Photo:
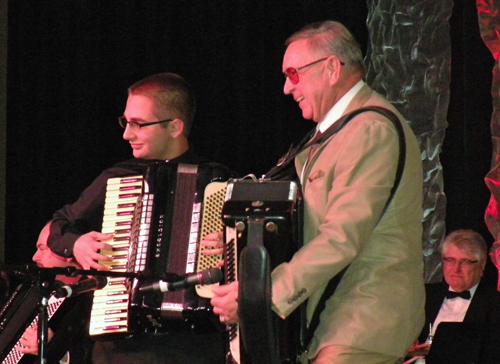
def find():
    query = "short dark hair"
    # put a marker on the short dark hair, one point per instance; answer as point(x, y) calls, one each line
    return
point(467, 240)
point(333, 38)
point(172, 96)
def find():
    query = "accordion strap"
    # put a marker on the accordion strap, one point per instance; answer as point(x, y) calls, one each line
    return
point(281, 168)
point(254, 296)
point(334, 282)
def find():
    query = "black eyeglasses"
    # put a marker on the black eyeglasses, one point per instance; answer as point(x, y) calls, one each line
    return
point(462, 262)
point(122, 121)
point(293, 73)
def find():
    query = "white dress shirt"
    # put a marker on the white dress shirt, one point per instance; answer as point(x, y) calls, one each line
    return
point(339, 108)
point(453, 310)
point(335, 113)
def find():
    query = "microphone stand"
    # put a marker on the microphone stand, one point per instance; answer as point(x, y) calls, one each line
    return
point(45, 278)
point(33, 270)
point(45, 283)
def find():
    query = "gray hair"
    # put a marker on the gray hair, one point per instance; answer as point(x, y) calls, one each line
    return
point(467, 240)
point(334, 38)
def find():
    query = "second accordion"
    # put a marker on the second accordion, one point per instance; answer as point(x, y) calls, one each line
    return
point(157, 220)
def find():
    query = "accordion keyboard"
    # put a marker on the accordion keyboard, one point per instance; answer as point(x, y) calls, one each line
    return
point(110, 305)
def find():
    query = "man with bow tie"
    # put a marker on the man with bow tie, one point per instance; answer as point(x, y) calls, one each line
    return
point(463, 298)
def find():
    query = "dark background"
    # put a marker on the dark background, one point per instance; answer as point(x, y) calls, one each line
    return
point(70, 63)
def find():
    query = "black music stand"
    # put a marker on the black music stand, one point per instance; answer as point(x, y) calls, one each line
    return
point(465, 343)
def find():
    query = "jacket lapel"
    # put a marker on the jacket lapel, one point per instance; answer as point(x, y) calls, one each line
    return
point(479, 305)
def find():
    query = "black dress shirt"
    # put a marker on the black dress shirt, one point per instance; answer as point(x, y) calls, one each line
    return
point(179, 345)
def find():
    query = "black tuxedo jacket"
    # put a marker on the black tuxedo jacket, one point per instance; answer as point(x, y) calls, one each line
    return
point(484, 307)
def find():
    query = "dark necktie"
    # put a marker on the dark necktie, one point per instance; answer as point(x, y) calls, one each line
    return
point(465, 295)
point(314, 144)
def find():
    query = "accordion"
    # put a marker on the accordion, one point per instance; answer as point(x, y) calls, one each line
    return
point(22, 309)
point(157, 220)
point(19, 311)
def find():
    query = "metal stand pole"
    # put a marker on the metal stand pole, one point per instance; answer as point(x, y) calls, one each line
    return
point(45, 284)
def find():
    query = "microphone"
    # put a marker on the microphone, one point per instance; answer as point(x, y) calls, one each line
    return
point(87, 285)
point(207, 276)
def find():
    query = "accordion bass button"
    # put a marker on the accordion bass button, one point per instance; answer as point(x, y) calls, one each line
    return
point(240, 226)
point(271, 227)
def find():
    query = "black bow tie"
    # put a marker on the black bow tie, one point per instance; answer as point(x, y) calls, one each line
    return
point(465, 295)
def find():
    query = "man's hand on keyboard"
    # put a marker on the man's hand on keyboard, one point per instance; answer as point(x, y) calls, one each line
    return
point(88, 247)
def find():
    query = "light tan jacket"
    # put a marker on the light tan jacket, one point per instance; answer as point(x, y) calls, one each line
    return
point(379, 304)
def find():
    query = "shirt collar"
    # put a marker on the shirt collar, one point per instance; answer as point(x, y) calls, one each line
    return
point(472, 290)
point(339, 108)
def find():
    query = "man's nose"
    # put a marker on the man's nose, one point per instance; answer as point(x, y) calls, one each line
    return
point(128, 134)
point(288, 86)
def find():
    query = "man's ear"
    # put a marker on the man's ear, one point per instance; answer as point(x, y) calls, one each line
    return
point(176, 128)
point(334, 66)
